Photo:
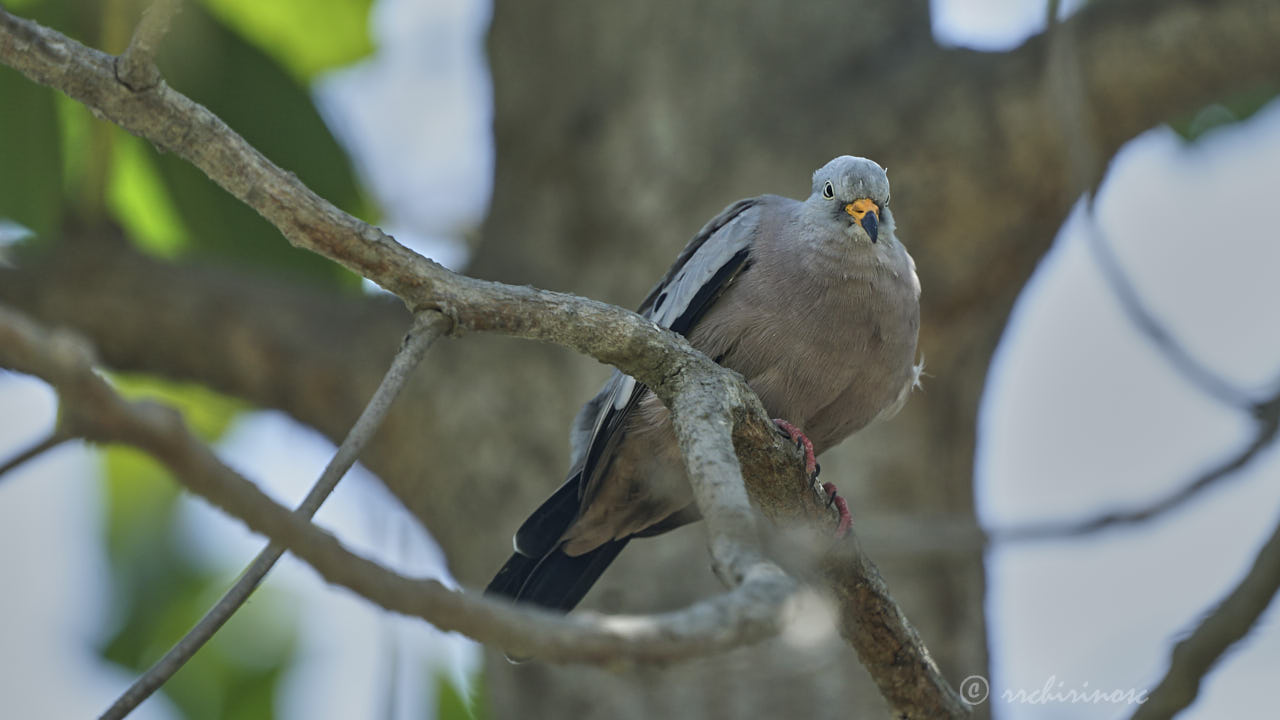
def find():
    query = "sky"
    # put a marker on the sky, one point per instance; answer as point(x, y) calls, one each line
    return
point(1080, 414)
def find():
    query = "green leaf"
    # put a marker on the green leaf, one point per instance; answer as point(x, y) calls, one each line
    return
point(139, 495)
point(73, 127)
point(206, 412)
point(453, 704)
point(259, 100)
point(307, 37)
point(141, 203)
point(30, 154)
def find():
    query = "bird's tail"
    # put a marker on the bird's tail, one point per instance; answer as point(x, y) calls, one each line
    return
point(556, 581)
point(540, 572)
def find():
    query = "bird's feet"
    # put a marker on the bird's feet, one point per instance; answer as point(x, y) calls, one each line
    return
point(810, 462)
point(846, 520)
point(812, 468)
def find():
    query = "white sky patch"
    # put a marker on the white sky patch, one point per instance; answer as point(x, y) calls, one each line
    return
point(992, 25)
point(55, 572)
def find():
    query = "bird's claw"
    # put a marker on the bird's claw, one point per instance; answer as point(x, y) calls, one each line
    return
point(833, 498)
point(812, 468)
point(802, 442)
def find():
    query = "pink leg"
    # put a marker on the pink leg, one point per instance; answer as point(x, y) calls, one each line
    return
point(846, 520)
point(799, 438)
point(811, 468)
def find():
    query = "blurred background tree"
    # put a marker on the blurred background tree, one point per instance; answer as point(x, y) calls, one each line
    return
point(617, 129)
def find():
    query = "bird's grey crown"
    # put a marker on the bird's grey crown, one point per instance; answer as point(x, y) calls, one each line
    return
point(853, 178)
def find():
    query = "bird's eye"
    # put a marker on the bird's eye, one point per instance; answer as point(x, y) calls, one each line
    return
point(828, 192)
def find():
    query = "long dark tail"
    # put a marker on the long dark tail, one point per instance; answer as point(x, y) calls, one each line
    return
point(555, 581)
point(539, 572)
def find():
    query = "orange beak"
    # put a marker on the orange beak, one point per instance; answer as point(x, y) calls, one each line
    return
point(867, 213)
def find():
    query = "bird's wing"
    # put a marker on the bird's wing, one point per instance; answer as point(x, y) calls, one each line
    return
point(716, 255)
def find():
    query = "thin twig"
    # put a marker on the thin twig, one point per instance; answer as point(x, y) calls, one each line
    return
point(136, 66)
point(1267, 429)
point(51, 441)
point(426, 328)
point(1195, 372)
point(1231, 620)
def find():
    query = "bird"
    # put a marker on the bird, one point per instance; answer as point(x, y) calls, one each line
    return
point(815, 303)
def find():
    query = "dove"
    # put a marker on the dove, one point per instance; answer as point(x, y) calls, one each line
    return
point(815, 303)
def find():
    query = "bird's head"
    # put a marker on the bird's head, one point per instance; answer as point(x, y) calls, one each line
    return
point(853, 192)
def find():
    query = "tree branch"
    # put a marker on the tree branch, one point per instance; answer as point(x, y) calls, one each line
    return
point(1267, 429)
point(1230, 621)
point(51, 441)
point(1195, 372)
point(426, 328)
point(204, 322)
